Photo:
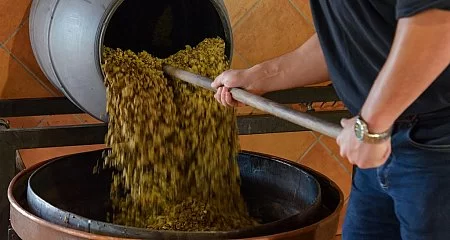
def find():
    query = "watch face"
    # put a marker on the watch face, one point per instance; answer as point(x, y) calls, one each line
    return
point(359, 130)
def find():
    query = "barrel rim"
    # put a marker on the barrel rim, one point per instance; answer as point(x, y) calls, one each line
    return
point(112, 8)
point(38, 200)
point(110, 11)
point(104, 23)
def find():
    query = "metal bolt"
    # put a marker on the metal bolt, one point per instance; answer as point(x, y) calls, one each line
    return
point(4, 124)
point(310, 107)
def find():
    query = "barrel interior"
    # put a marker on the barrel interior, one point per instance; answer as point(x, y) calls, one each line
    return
point(164, 27)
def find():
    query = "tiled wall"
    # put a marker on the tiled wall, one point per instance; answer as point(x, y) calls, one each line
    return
point(263, 29)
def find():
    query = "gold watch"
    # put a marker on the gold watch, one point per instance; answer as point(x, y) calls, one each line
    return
point(362, 132)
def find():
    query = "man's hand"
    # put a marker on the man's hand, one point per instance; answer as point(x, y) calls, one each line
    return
point(364, 155)
point(232, 79)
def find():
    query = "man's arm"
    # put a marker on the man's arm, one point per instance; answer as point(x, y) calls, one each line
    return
point(303, 66)
point(419, 54)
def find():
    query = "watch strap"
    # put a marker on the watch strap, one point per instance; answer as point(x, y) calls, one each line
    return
point(377, 137)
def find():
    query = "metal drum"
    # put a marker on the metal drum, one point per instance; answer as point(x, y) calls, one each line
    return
point(268, 183)
point(67, 38)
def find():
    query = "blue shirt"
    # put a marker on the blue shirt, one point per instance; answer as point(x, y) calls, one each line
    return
point(356, 37)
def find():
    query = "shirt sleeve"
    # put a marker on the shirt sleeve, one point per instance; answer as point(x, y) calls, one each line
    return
point(407, 8)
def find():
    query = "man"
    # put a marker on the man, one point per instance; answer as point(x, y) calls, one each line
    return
point(389, 63)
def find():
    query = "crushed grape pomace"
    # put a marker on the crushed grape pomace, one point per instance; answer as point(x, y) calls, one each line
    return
point(173, 147)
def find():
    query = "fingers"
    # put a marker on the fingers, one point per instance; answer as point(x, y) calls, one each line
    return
point(223, 96)
point(341, 149)
point(342, 141)
point(339, 143)
point(218, 82)
point(345, 122)
point(229, 99)
point(226, 79)
point(218, 94)
point(222, 83)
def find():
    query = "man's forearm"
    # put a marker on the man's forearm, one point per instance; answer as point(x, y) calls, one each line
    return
point(303, 66)
point(420, 52)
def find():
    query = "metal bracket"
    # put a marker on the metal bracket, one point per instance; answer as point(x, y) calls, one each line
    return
point(310, 107)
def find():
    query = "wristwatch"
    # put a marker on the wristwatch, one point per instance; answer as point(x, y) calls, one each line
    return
point(362, 132)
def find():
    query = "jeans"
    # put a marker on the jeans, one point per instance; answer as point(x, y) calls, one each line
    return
point(409, 196)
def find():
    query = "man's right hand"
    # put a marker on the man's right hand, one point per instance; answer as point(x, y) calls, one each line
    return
point(234, 79)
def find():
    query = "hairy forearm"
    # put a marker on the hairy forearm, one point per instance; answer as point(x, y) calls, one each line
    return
point(303, 66)
point(420, 52)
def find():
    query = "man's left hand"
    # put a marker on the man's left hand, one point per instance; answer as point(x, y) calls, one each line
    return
point(364, 155)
